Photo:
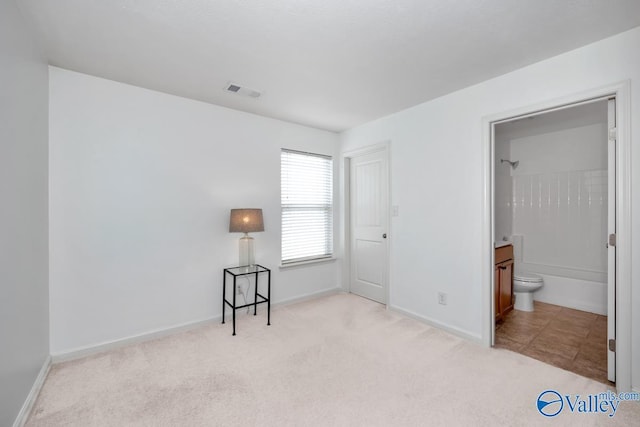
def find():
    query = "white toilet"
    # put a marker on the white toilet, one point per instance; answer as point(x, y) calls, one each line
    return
point(524, 285)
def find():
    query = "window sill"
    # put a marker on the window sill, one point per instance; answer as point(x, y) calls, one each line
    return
point(306, 263)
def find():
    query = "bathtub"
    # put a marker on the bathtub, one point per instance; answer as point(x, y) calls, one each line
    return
point(579, 294)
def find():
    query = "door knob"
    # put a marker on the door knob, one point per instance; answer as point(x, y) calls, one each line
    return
point(384, 236)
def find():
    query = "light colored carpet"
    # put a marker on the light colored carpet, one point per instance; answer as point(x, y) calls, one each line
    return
point(334, 361)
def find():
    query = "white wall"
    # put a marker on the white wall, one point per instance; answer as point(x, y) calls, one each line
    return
point(437, 178)
point(560, 199)
point(141, 186)
point(24, 300)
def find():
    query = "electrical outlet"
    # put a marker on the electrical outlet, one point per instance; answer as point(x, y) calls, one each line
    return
point(442, 298)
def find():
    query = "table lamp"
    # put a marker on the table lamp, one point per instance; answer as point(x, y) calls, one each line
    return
point(246, 221)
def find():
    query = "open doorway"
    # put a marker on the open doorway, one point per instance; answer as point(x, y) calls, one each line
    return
point(554, 192)
point(619, 324)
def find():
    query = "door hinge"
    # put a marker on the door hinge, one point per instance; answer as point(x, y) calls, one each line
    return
point(612, 240)
point(613, 134)
point(612, 345)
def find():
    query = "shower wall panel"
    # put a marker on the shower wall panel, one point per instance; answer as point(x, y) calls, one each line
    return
point(559, 201)
point(563, 218)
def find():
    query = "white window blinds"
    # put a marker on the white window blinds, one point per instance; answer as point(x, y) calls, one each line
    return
point(307, 206)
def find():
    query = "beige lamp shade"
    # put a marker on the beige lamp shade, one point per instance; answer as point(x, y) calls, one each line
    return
point(246, 221)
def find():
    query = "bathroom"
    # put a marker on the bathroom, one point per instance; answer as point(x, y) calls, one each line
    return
point(551, 212)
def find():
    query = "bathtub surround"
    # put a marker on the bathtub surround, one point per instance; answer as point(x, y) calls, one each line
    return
point(560, 200)
point(503, 189)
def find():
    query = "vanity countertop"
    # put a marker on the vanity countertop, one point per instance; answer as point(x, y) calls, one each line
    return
point(502, 243)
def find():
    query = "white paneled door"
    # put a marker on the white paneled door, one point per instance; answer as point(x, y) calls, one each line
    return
point(611, 244)
point(369, 210)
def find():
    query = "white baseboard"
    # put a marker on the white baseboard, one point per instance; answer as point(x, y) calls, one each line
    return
point(27, 406)
point(308, 297)
point(448, 328)
point(80, 352)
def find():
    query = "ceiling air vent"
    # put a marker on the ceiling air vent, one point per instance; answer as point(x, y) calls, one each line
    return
point(244, 91)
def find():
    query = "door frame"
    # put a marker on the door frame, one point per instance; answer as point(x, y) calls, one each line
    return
point(622, 92)
point(345, 218)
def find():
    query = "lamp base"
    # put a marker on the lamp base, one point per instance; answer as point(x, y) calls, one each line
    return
point(246, 257)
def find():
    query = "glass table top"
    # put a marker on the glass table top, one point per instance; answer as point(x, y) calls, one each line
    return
point(246, 269)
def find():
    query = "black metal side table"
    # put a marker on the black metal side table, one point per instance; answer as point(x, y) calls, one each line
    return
point(246, 270)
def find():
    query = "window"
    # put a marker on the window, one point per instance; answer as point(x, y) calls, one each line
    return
point(307, 206)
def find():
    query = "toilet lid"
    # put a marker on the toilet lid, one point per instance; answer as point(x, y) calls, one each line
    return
point(527, 277)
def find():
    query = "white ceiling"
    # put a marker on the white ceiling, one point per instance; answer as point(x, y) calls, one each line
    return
point(330, 64)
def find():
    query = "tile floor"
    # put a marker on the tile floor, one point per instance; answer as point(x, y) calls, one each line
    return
point(569, 339)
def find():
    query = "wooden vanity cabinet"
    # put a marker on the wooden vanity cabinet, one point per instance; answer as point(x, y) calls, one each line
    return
point(503, 279)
